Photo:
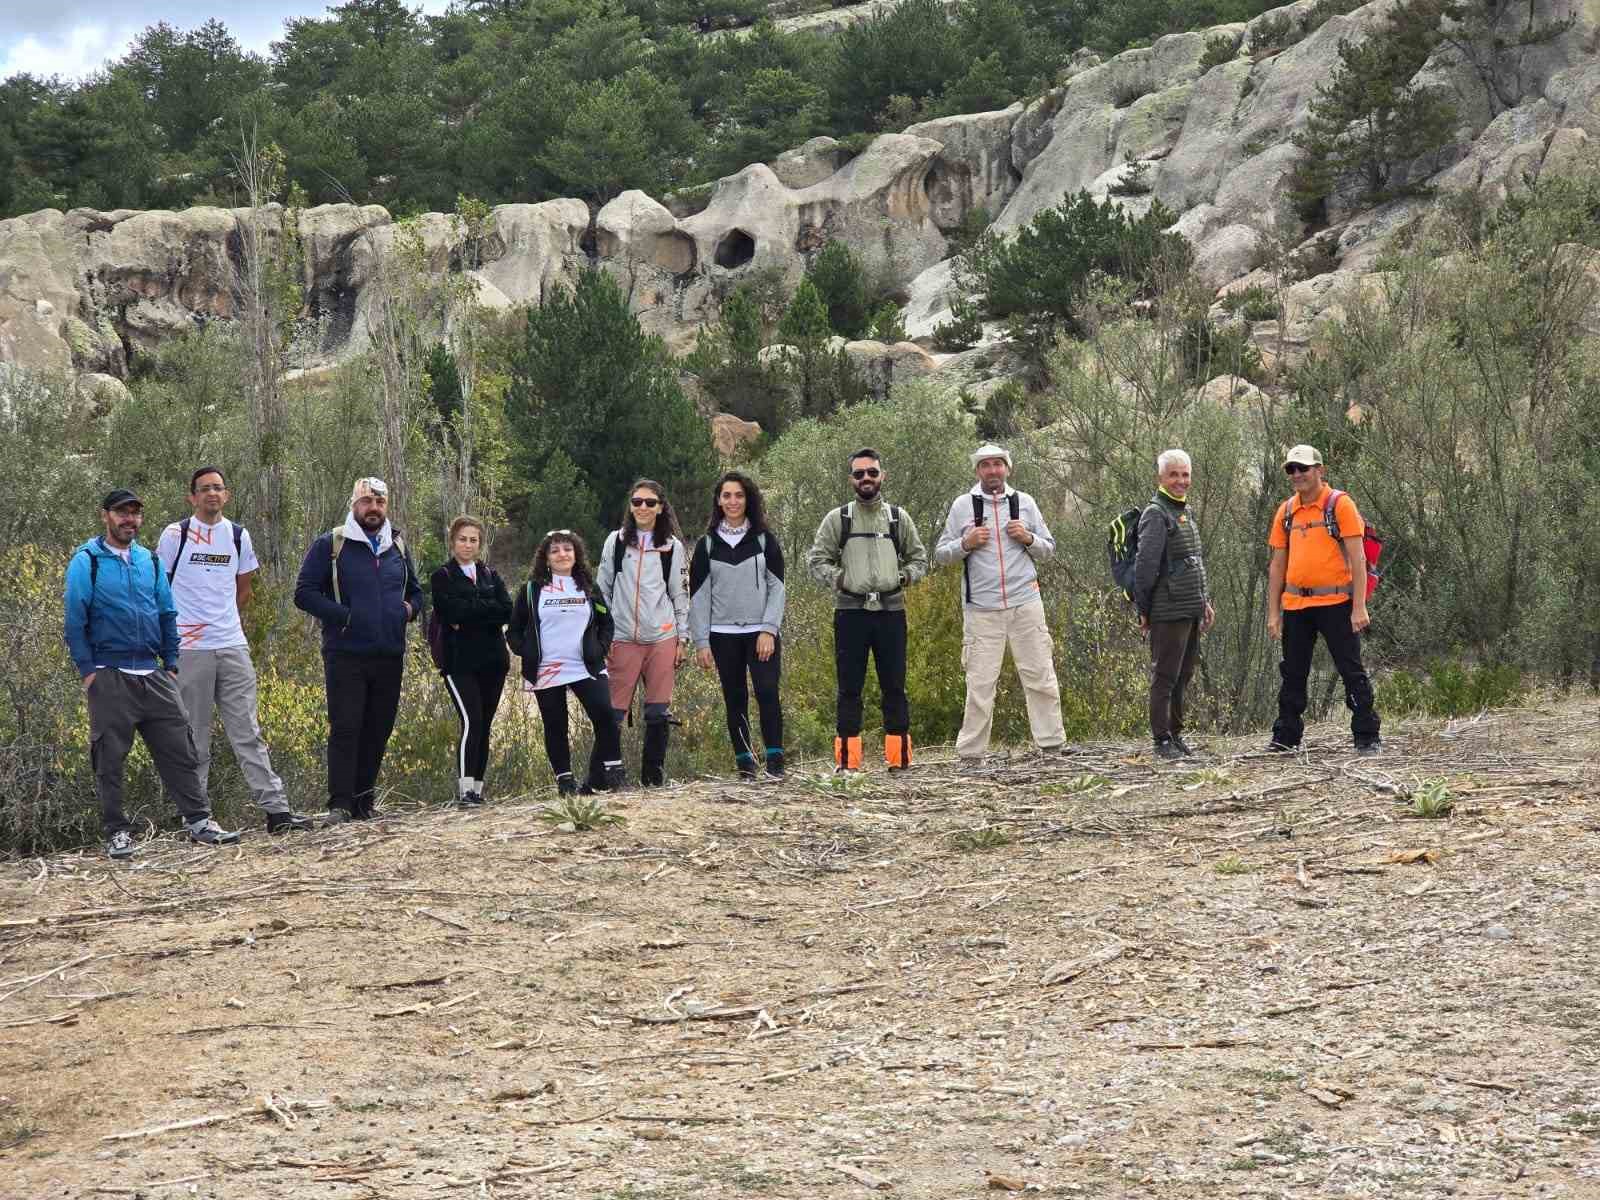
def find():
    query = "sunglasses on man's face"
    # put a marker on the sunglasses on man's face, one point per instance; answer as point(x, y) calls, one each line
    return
point(1295, 468)
point(866, 473)
point(644, 501)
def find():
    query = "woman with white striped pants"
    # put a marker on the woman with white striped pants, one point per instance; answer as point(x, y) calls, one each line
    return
point(472, 606)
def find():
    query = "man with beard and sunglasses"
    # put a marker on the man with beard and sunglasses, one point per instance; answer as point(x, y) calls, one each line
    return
point(868, 552)
point(358, 581)
point(1317, 584)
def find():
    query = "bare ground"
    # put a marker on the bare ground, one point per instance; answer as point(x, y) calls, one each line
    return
point(1212, 979)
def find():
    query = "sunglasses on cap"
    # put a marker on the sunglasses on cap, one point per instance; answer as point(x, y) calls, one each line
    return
point(374, 485)
point(644, 501)
point(866, 473)
point(550, 533)
point(1295, 468)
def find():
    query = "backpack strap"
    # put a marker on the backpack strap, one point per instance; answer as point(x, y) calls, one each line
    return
point(1014, 502)
point(979, 517)
point(1329, 521)
point(183, 541)
point(619, 551)
point(238, 545)
point(337, 547)
point(846, 519)
point(666, 563)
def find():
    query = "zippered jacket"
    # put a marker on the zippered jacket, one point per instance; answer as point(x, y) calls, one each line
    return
point(645, 607)
point(1169, 575)
point(369, 618)
point(522, 635)
point(474, 615)
point(868, 562)
point(1002, 573)
point(129, 619)
point(738, 585)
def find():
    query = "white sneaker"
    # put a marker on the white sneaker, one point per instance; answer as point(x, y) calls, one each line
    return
point(212, 834)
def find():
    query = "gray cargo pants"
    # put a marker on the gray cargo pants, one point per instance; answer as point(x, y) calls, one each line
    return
point(121, 705)
point(225, 680)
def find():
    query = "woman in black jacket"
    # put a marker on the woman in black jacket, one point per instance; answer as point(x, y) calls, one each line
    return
point(562, 629)
point(473, 606)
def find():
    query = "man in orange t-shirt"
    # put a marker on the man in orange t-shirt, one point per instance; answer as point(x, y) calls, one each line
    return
point(1317, 584)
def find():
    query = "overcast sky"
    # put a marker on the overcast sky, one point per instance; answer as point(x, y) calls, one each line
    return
point(74, 37)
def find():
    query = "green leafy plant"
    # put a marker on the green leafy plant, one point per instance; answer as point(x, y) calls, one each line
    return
point(984, 837)
point(1223, 48)
point(1432, 800)
point(578, 814)
point(1232, 865)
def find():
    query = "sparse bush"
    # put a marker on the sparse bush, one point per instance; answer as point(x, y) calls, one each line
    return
point(963, 329)
point(984, 837)
point(1221, 48)
point(1271, 33)
point(578, 814)
point(1135, 180)
point(1432, 800)
point(886, 324)
point(1254, 303)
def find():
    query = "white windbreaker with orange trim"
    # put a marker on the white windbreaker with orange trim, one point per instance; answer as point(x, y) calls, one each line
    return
point(1001, 573)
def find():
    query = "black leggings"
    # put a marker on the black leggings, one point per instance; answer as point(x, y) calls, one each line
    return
point(735, 656)
point(476, 695)
point(595, 696)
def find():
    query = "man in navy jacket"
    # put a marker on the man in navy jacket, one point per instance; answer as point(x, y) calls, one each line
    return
point(358, 581)
point(121, 628)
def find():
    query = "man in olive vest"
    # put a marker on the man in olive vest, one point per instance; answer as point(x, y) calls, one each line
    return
point(1173, 600)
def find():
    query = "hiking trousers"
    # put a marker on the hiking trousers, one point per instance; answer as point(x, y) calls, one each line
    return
point(1174, 650)
point(985, 633)
point(594, 695)
point(212, 681)
point(735, 656)
point(121, 705)
point(1300, 629)
point(476, 696)
point(363, 700)
point(857, 633)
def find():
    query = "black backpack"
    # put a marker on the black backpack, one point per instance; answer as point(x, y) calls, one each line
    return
point(981, 517)
point(183, 541)
point(1122, 549)
point(620, 551)
point(846, 519)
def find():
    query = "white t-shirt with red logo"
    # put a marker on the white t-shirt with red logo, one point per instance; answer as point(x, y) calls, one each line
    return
point(203, 588)
point(563, 616)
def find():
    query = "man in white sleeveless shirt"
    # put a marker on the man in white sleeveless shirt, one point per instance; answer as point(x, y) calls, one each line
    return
point(210, 564)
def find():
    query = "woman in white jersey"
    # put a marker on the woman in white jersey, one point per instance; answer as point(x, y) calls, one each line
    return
point(562, 629)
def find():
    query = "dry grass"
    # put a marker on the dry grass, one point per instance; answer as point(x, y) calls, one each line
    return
point(753, 991)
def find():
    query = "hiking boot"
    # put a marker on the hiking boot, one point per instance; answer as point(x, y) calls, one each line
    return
point(1277, 747)
point(774, 772)
point(121, 844)
point(746, 764)
point(282, 822)
point(1167, 750)
point(337, 816)
point(1177, 740)
point(1369, 749)
point(616, 778)
point(566, 785)
point(209, 833)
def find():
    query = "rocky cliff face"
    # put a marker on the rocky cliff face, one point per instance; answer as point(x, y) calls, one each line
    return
point(88, 291)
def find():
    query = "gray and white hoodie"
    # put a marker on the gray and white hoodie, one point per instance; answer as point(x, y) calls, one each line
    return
point(647, 604)
point(735, 587)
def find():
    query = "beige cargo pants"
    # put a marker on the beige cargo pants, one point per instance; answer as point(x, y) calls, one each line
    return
point(985, 635)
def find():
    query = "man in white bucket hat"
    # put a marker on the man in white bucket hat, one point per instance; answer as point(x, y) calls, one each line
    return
point(998, 535)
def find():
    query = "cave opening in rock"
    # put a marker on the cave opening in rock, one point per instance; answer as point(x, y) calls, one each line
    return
point(735, 249)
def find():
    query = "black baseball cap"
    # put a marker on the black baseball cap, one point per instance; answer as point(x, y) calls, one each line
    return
point(117, 497)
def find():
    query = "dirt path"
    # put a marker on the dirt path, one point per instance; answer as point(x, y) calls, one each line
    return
point(1084, 976)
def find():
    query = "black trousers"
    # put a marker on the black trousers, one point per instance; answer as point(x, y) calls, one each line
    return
point(735, 656)
point(595, 697)
point(363, 698)
point(1174, 647)
point(856, 633)
point(1300, 629)
point(476, 695)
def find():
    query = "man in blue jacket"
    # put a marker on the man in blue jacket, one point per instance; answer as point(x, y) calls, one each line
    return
point(122, 632)
point(358, 581)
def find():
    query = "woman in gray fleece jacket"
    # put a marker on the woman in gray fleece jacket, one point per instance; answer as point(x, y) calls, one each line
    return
point(736, 600)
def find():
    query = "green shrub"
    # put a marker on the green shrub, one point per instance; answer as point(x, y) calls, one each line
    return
point(1221, 48)
point(1254, 303)
point(886, 324)
point(836, 274)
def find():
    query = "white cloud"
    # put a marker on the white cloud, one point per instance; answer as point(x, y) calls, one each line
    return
point(72, 55)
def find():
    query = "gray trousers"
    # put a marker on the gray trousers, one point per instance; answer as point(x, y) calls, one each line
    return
point(121, 705)
point(225, 681)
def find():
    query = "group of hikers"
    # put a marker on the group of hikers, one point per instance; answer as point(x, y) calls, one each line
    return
point(160, 646)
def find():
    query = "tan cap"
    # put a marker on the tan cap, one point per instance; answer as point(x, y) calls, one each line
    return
point(1306, 456)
